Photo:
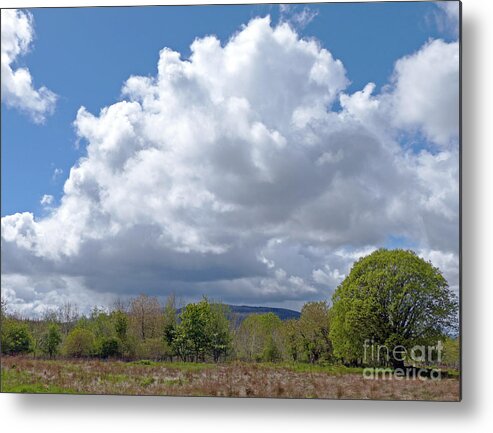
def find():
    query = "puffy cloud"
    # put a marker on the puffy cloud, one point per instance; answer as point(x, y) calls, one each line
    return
point(229, 174)
point(422, 98)
point(17, 86)
point(426, 93)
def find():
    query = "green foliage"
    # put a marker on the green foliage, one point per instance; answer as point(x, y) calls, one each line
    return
point(109, 347)
point(313, 328)
point(218, 331)
point(109, 330)
point(120, 321)
point(271, 352)
point(291, 340)
point(16, 337)
point(203, 330)
point(101, 324)
point(51, 340)
point(80, 342)
point(169, 319)
point(391, 297)
point(260, 338)
point(156, 349)
point(451, 352)
point(191, 340)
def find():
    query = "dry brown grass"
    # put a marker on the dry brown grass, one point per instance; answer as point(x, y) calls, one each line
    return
point(228, 380)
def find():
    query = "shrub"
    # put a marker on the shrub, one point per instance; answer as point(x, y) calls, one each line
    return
point(109, 347)
point(79, 343)
point(156, 349)
point(16, 338)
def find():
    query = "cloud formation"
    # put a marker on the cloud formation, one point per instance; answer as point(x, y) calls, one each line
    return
point(426, 93)
point(298, 17)
point(230, 174)
point(449, 18)
point(46, 200)
point(17, 87)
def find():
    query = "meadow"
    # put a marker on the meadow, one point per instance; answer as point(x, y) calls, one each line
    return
point(235, 379)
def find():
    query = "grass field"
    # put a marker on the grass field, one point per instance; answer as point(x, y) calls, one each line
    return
point(26, 375)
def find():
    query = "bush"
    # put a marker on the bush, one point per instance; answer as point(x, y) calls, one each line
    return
point(16, 338)
point(110, 347)
point(156, 349)
point(79, 343)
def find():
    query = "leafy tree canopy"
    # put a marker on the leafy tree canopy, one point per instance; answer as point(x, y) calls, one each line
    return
point(391, 297)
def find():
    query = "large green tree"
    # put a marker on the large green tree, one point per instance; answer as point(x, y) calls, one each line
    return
point(391, 298)
point(203, 331)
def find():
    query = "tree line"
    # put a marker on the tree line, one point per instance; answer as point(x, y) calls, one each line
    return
point(145, 329)
point(391, 297)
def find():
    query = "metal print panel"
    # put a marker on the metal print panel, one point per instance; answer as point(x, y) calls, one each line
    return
point(253, 200)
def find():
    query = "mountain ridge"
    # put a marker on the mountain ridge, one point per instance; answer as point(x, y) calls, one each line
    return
point(241, 312)
point(246, 310)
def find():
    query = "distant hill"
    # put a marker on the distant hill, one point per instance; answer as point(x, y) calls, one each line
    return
point(241, 312)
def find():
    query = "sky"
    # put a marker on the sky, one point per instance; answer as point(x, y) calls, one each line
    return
point(248, 153)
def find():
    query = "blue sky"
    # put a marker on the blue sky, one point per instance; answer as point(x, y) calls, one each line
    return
point(253, 160)
point(85, 54)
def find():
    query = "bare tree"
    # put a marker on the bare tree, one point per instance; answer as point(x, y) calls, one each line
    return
point(120, 305)
point(146, 317)
point(68, 314)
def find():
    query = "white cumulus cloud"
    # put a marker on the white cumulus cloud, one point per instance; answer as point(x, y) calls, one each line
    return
point(17, 86)
point(426, 91)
